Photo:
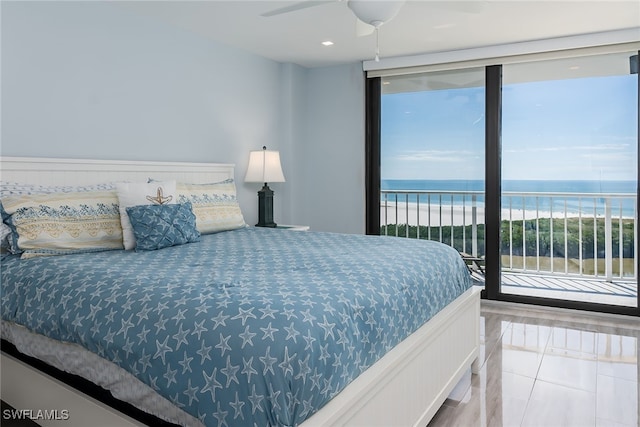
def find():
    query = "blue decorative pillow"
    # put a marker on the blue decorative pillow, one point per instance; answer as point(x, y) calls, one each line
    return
point(160, 226)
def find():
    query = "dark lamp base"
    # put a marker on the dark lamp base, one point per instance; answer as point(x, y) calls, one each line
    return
point(272, 225)
point(265, 207)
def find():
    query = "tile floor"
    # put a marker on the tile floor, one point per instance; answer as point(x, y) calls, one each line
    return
point(546, 367)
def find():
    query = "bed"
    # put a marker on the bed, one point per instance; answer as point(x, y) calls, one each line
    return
point(239, 325)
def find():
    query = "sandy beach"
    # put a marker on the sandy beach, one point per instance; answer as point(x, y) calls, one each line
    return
point(436, 215)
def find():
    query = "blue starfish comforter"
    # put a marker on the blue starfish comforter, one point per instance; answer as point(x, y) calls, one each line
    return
point(246, 327)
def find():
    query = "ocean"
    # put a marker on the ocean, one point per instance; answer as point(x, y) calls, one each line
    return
point(600, 189)
point(603, 187)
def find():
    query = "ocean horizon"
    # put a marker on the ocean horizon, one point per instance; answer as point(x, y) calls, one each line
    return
point(542, 186)
point(601, 189)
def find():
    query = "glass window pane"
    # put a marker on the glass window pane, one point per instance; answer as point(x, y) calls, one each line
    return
point(569, 168)
point(432, 158)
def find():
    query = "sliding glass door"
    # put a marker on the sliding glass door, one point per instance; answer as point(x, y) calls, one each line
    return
point(569, 179)
point(529, 169)
point(432, 159)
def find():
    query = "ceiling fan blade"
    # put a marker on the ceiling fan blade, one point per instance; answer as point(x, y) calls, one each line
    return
point(363, 29)
point(297, 6)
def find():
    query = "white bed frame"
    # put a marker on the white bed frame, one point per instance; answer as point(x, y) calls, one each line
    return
point(404, 388)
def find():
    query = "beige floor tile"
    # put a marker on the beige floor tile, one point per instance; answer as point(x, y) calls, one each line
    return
point(532, 337)
point(618, 356)
point(608, 423)
point(573, 342)
point(548, 370)
point(556, 405)
point(517, 361)
point(617, 400)
point(506, 396)
point(571, 371)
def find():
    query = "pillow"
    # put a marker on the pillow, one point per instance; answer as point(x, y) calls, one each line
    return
point(5, 234)
point(64, 223)
point(215, 205)
point(136, 194)
point(10, 188)
point(6, 240)
point(161, 226)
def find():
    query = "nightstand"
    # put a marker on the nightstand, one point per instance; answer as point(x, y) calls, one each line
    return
point(293, 227)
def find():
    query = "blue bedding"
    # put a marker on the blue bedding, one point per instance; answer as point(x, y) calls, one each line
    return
point(246, 327)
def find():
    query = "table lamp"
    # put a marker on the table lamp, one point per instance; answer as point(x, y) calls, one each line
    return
point(264, 166)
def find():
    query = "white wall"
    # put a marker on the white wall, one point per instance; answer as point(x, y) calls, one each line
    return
point(90, 80)
point(331, 154)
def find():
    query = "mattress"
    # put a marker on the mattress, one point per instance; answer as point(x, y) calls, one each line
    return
point(250, 326)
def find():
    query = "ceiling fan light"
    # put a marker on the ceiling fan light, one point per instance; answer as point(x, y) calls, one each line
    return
point(375, 12)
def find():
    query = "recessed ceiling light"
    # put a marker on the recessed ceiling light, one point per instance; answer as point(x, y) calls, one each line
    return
point(575, 67)
point(327, 43)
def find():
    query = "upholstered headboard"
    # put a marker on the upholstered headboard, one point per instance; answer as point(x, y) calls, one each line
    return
point(51, 171)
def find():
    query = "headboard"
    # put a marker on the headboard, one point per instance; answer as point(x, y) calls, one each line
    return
point(51, 171)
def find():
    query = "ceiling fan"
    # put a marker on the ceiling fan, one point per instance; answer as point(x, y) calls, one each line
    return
point(365, 10)
point(373, 14)
point(368, 10)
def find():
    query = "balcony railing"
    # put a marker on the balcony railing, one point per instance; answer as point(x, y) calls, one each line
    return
point(583, 234)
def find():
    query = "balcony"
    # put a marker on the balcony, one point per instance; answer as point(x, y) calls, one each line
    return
point(576, 246)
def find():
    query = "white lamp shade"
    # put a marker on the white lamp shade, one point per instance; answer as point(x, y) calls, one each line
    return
point(264, 166)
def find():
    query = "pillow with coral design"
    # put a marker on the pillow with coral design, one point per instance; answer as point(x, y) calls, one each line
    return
point(137, 194)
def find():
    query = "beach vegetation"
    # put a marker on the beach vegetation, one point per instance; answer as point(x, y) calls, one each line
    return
point(573, 238)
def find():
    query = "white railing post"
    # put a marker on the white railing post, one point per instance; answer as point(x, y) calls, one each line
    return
point(635, 239)
point(474, 226)
point(608, 241)
point(602, 210)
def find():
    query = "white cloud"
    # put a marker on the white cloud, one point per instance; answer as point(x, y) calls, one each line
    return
point(437, 155)
point(595, 147)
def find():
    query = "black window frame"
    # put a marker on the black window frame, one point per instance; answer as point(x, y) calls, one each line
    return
point(493, 128)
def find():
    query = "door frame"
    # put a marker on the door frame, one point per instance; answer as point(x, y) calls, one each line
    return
point(493, 179)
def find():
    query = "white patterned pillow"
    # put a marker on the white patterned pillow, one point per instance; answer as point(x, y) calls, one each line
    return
point(215, 205)
point(11, 188)
point(141, 193)
point(64, 223)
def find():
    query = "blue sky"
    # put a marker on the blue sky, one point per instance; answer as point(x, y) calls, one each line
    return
point(562, 130)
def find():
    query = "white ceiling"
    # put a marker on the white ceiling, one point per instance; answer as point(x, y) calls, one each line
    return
point(423, 26)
